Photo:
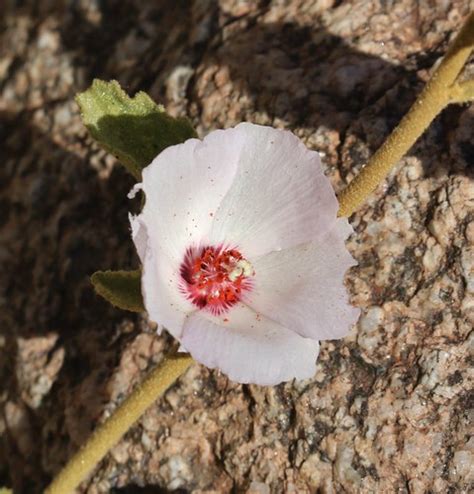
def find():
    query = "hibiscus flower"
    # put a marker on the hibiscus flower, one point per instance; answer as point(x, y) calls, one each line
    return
point(243, 256)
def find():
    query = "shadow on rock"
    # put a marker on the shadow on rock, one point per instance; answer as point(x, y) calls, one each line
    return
point(306, 76)
point(58, 341)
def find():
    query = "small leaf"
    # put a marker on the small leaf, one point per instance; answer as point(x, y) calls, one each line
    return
point(135, 130)
point(120, 288)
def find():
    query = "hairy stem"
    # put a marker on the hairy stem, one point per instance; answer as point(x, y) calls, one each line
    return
point(462, 92)
point(110, 432)
point(436, 95)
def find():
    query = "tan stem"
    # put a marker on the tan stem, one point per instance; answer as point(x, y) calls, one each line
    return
point(110, 432)
point(462, 92)
point(433, 99)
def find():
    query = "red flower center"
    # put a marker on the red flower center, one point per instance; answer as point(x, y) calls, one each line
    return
point(214, 279)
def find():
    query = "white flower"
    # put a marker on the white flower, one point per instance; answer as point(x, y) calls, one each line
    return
point(243, 256)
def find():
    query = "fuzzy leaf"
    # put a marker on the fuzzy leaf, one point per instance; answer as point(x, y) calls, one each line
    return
point(121, 288)
point(135, 130)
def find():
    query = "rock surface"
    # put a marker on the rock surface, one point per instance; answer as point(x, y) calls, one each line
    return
point(390, 408)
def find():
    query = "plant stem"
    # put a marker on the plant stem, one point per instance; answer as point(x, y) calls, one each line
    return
point(463, 92)
point(110, 432)
point(433, 99)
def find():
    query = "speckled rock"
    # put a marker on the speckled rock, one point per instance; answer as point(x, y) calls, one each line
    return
point(390, 407)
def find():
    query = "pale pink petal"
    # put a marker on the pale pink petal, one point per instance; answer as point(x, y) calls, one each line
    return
point(302, 288)
point(139, 236)
point(249, 348)
point(184, 186)
point(163, 301)
point(279, 198)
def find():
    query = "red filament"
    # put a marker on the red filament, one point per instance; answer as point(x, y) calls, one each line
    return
point(215, 278)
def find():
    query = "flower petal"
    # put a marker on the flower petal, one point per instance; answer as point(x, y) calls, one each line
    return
point(249, 348)
point(163, 301)
point(279, 197)
point(139, 236)
point(302, 288)
point(184, 186)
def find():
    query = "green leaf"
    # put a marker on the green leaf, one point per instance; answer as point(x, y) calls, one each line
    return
point(120, 288)
point(135, 130)
point(4, 490)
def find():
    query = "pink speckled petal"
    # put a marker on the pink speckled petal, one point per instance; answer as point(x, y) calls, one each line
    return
point(162, 299)
point(279, 198)
point(184, 186)
point(249, 349)
point(302, 288)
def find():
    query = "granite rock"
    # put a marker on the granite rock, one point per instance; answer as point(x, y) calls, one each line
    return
point(390, 407)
